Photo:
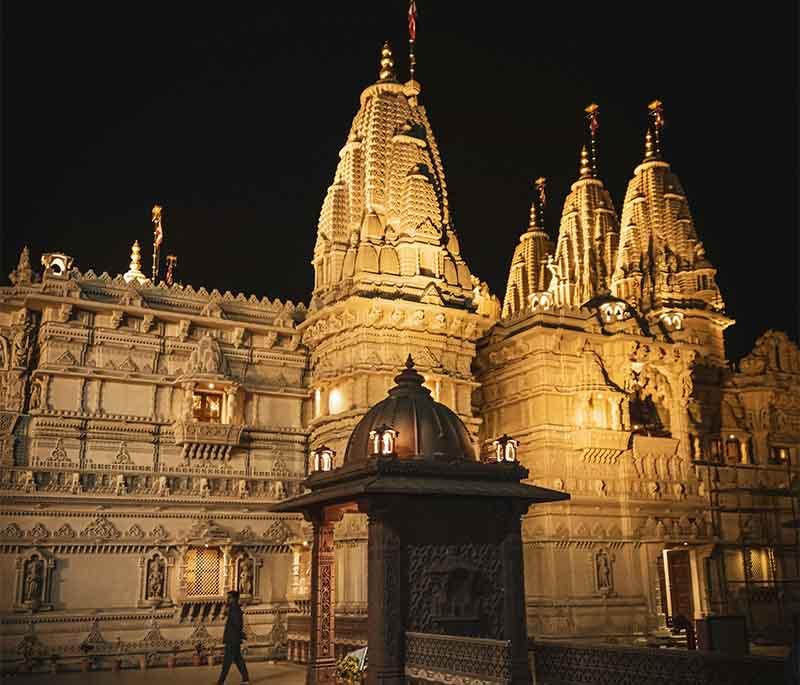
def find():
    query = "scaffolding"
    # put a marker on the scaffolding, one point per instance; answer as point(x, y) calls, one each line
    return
point(752, 507)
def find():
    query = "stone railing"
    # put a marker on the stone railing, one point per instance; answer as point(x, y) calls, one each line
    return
point(434, 658)
point(562, 663)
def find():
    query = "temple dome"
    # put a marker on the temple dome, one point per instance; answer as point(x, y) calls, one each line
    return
point(424, 428)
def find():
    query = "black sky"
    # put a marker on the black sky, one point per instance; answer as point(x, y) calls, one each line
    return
point(231, 115)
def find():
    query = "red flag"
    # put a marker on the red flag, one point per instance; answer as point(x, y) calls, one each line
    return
point(412, 21)
point(158, 231)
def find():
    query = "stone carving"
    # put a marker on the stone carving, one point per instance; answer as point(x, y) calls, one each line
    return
point(122, 456)
point(451, 589)
point(39, 532)
point(135, 531)
point(120, 487)
point(206, 357)
point(604, 577)
point(246, 576)
point(241, 489)
point(36, 395)
point(277, 533)
point(101, 528)
point(34, 580)
point(65, 532)
point(59, 454)
point(155, 579)
point(159, 533)
point(75, 486)
point(23, 274)
point(162, 486)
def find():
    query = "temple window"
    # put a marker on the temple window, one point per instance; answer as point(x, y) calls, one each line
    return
point(733, 451)
point(202, 571)
point(207, 406)
point(322, 459)
point(780, 455)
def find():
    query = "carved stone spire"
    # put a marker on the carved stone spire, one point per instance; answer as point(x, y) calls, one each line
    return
point(385, 221)
point(134, 272)
point(529, 274)
point(387, 64)
point(661, 261)
point(587, 240)
point(23, 273)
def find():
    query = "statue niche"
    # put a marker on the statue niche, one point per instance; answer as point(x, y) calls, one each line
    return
point(207, 357)
point(457, 588)
point(34, 581)
point(154, 575)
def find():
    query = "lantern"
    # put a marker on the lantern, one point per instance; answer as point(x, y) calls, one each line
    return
point(383, 440)
point(505, 448)
point(323, 458)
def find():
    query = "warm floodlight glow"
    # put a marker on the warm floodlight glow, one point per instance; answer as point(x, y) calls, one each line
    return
point(335, 401)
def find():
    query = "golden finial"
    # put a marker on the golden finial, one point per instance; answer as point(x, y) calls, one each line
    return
point(649, 147)
point(592, 116)
point(387, 63)
point(537, 206)
point(586, 164)
point(134, 272)
point(136, 257)
point(656, 111)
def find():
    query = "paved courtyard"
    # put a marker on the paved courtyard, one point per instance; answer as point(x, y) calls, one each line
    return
point(260, 672)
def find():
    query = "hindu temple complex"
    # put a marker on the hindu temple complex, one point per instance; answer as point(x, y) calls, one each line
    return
point(157, 438)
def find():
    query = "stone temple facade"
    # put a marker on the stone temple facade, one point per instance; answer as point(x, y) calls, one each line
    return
point(146, 429)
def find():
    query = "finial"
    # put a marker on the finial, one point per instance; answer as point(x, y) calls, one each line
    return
point(23, 273)
point(586, 164)
point(656, 110)
point(387, 63)
point(649, 148)
point(538, 205)
point(134, 272)
point(592, 115)
point(410, 362)
point(136, 257)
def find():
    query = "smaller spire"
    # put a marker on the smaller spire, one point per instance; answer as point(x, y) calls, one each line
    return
point(387, 64)
point(23, 273)
point(134, 272)
point(586, 164)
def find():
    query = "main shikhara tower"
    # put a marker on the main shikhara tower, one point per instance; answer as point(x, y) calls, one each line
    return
point(146, 427)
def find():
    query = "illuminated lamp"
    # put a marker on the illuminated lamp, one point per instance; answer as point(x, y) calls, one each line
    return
point(383, 440)
point(323, 458)
point(505, 448)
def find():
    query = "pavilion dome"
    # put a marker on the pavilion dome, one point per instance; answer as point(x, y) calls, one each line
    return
point(424, 428)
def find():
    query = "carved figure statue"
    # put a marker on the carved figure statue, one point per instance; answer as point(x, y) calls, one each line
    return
point(604, 581)
point(75, 486)
point(119, 485)
point(162, 489)
point(206, 357)
point(155, 579)
point(34, 580)
point(36, 395)
point(245, 577)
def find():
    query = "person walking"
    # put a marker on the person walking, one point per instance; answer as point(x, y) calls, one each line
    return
point(232, 639)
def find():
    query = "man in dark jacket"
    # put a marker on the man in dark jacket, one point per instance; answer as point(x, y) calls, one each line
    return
point(232, 639)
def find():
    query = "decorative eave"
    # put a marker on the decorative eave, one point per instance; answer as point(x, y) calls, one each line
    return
point(383, 476)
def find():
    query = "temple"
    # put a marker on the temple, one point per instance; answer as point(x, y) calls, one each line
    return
point(148, 430)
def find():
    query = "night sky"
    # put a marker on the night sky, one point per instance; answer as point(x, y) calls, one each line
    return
point(231, 116)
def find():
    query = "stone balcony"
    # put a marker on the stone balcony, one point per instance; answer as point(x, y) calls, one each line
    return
point(207, 440)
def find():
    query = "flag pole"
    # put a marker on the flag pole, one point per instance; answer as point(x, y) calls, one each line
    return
point(412, 38)
point(158, 236)
point(592, 112)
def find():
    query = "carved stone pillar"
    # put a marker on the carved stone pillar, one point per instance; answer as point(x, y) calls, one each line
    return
point(514, 626)
point(322, 662)
point(386, 599)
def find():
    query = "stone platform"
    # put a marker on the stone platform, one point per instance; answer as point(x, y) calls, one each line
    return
point(260, 672)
